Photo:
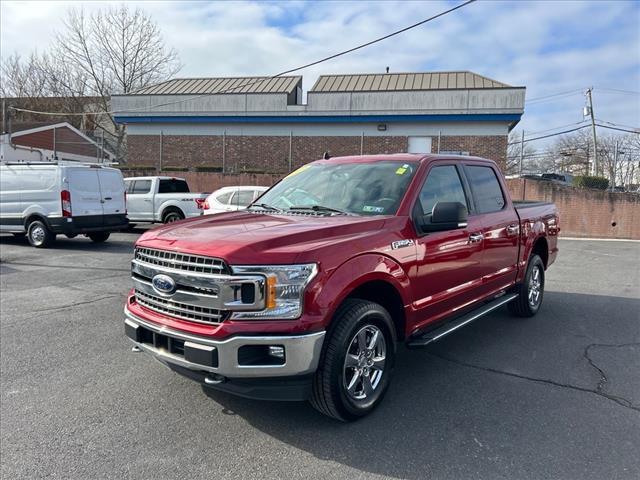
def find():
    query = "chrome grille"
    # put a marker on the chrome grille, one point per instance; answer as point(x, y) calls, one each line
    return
point(180, 310)
point(181, 261)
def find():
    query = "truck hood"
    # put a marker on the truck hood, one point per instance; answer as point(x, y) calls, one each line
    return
point(252, 238)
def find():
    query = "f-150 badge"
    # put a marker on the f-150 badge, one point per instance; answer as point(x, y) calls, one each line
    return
point(401, 243)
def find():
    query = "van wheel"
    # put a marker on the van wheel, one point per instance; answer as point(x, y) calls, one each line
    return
point(39, 235)
point(356, 362)
point(172, 216)
point(98, 237)
point(530, 291)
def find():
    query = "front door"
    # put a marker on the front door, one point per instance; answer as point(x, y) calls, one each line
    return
point(448, 274)
point(140, 200)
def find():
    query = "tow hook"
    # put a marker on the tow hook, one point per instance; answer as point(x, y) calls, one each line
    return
point(214, 379)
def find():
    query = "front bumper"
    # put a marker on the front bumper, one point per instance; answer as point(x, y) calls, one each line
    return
point(226, 359)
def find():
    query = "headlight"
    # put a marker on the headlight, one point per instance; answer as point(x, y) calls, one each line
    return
point(284, 289)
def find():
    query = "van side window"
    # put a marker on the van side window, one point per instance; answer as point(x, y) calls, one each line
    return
point(486, 189)
point(141, 187)
point(442, 185)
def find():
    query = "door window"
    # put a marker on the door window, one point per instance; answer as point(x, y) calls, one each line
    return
point(242, 198)
point(224, 198)
point(141, 187)
point(486, 189)
point(442, 185)
point(173, 185)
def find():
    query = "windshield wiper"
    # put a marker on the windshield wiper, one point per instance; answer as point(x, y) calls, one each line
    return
point(265, 206)
point(321, 208)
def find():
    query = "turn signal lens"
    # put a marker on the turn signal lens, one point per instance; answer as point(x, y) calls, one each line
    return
point(271, 291)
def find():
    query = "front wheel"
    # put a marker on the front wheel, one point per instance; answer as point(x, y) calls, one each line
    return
point(531, 291)
point(98, 237)
point(356, 363)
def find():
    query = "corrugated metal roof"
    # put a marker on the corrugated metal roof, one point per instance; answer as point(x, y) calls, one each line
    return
point(384, 82)
point(198, 86)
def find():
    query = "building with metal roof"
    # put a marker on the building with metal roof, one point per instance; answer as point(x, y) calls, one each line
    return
point(262, 124)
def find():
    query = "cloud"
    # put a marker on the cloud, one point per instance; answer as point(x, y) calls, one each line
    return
point(548, 47)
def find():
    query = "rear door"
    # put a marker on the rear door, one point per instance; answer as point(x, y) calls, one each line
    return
point(500, 227)
point(112, 190)
point(86, 199)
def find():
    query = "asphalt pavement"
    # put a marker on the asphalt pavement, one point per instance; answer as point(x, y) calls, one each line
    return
point(556, 396)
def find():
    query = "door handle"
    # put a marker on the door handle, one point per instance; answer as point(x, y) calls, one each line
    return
point(147, 200)
point(107, 198)
point(476, 237)
point(512, 230)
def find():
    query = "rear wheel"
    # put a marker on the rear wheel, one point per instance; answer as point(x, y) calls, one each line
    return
point(356, 363)
point(172, 216)
point(39, 235)
point(531, 291)
point(98, 237)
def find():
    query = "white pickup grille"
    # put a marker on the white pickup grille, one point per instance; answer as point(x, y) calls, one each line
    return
point(181, 261)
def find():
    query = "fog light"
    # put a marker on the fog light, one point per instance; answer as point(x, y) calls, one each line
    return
point(276, 351)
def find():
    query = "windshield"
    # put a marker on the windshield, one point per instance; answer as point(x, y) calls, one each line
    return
point(373, 188)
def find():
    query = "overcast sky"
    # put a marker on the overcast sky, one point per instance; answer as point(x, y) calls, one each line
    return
point(549, 47)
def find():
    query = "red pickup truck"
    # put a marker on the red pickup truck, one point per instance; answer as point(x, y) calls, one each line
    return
point(306, 294)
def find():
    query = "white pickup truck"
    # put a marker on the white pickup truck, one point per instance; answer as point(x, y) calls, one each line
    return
point(161, 199)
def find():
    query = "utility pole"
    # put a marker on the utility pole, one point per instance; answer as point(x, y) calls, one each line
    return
point(615, 166)
point(521, 152)
point(593, 130)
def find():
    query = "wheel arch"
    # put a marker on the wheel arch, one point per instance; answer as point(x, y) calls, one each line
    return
point(384, 283)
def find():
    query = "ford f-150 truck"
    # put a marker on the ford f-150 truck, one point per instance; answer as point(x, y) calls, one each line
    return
point(161, 199)
point(306, 294)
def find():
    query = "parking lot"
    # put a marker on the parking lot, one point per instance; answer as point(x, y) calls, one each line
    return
point(555, 396)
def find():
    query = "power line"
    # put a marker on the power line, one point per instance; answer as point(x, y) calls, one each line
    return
point(550, 135)
point(316, 62)
point(617, 90)
point(619, 129)
point(558, 127)
point(560, 94)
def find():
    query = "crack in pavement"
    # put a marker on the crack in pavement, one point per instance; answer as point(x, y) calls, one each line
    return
point(597, 391)
point(603, 376)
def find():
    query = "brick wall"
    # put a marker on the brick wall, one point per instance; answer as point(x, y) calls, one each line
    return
point(210, 181)
point(492, 147)
point(271, 153)
point(585, 212)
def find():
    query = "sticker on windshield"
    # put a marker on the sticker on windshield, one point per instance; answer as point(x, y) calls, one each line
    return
point(299, 170)
point(402, 169)
point(372, 209)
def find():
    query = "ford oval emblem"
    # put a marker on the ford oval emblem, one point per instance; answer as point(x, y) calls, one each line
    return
point(163, 284)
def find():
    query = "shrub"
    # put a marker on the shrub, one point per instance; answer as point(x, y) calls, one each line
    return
point(208, 168)
point(585, 181)
point(175, 168)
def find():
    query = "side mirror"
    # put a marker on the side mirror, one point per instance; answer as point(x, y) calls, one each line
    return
point(444, 216)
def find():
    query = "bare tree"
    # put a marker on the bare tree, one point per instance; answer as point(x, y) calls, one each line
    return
point(513, 155)
point(112, 51)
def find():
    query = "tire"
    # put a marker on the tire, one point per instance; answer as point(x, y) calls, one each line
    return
point(39, 235)
point(351, 381)
point(173, 215)
point(98, 237)
point(530, 291)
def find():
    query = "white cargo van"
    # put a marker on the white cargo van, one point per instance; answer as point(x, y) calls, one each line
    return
point(45, 199)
